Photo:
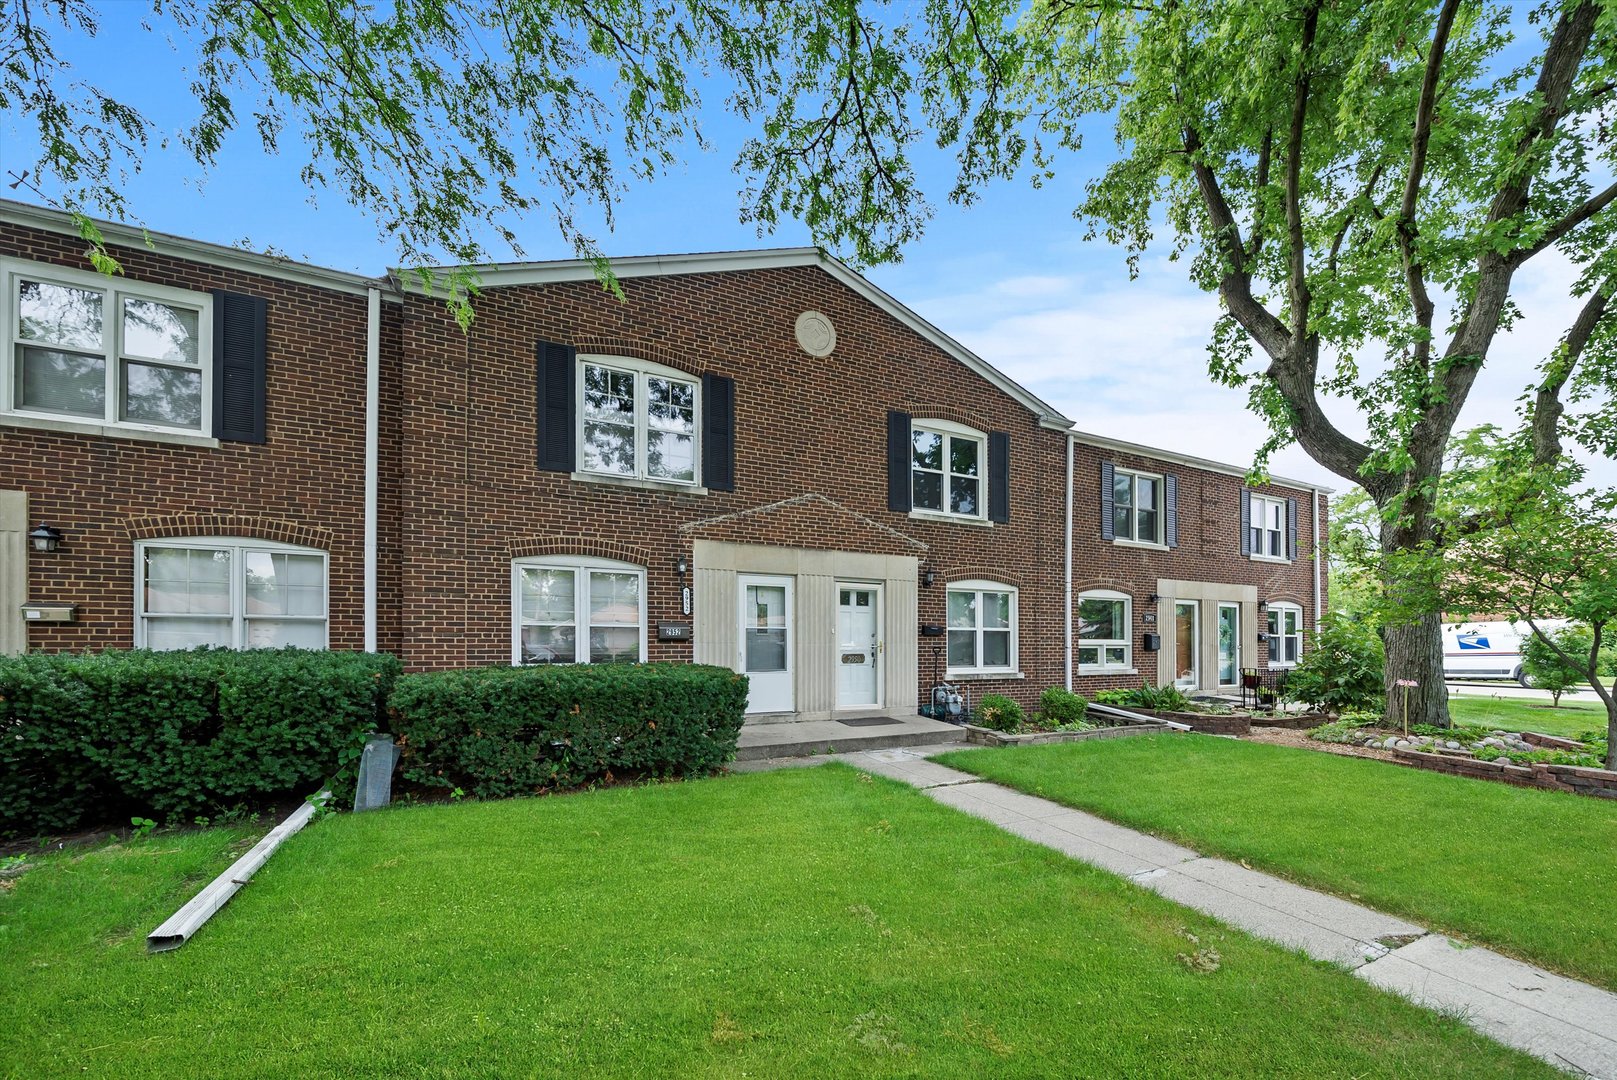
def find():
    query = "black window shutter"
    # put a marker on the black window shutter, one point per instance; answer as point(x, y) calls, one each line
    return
point(556, 375)
point(999, 476)
point(1107, 476)
point(1170, 494)
point(899, 450)
point(718, 433)
point(1291, 528)
point(238, 366)
point(1246, 522)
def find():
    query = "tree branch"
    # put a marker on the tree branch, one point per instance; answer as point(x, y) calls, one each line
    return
point(1545, 414)
point(1555, 232)
point(1414, 271)
point(1297, 257)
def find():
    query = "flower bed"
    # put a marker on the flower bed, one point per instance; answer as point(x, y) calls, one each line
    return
point(1577, 779)
point(989, 737)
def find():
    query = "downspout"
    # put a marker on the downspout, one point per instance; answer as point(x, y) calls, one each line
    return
point(1066, 624)
point(373, 381)
point(1318, 567)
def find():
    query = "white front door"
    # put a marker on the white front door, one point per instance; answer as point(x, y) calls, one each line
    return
point(767, 633)
point(859, 646)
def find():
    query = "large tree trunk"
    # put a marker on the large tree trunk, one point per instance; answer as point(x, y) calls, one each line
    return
point(1415, 654)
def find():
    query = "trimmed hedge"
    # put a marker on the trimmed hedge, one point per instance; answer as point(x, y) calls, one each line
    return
point(502, 731)
point(86, 737)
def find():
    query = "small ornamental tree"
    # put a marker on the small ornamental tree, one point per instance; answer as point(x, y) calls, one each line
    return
point(1563, 669)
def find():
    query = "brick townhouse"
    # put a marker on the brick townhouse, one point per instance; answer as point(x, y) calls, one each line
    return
point(758, 460)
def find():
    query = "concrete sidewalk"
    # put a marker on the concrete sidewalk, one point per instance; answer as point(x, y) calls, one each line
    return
point(1567, 1023)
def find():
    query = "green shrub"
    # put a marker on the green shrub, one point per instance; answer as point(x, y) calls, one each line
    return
point(998, 712)
point(176, 733)
point(1061, 706)
point(502, 731)
point(1161, 698)
point(1341, 670)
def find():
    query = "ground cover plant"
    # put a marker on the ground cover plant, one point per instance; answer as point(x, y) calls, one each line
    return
point(812, 922)
point(1528, 872)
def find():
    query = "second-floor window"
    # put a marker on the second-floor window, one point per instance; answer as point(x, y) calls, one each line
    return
point(84, 347)
point(1268, 527)
point(1136, 506)
point(946, 470)
point(637, 420)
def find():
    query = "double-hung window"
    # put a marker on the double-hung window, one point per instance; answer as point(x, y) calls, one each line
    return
point(982, 627)
point(1285, 634)
point(1268, 527)
point(576, 610)
point(946, 469)
point(1136, 506)
point(244, 594)
point(80, 346)
point(1105, 636)
point(638, 420)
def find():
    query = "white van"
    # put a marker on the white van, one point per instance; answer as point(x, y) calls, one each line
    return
point(1488, 650)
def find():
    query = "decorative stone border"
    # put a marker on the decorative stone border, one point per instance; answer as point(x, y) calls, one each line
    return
point(1575, 779)
point(1206, 723)
point(1292, 722)
point(982, 736)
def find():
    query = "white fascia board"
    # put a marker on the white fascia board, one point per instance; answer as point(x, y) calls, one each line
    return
point(181, 247)
point(718, 262)
point(1106, 442)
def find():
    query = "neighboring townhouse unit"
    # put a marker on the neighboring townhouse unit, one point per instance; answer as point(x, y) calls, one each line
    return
point(1185, 574)
point(755, 459)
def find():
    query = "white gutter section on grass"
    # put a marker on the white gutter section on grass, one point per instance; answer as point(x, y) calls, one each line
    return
point(189, 919)
point(1066, 635)
point(1113, 710)
point(373, 382)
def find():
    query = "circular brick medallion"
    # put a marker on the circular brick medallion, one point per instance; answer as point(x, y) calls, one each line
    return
point(816, 334)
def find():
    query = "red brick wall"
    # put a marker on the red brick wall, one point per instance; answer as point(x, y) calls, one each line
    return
point(305, 484)
point(1209, 550)
point(803, 425)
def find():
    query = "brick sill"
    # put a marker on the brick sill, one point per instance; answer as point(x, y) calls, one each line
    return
point(981, 676)
point(1142, 545)
point(638, 484)
point(108, 431)
point(950, 519)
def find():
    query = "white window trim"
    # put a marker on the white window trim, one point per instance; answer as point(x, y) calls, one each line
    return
point(1275, 610)
point(1157, 542)
point(1103, 668)
point(239, 546)
point(1260, 504)
point(642, 370)
point(575, 563)
point(951, 430)
point(114, 292)
point(977, 585)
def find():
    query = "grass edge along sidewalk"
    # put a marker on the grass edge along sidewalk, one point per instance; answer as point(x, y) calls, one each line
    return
point(1529, 873)
point(802, 922)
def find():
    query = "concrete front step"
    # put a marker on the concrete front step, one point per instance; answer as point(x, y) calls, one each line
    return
point(806, 737)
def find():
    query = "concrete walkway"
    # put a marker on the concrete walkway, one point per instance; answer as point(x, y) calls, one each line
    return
point(1567, 1023)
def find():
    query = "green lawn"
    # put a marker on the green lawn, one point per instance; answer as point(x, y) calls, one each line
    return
point(810, 922)
point(1578, 713)
point(1533, 873)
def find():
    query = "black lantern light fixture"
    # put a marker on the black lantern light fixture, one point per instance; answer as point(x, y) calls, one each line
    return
point(1153, 598)
point(681, 566)
point(45, 538)
point(1263, 605)
point(928, 577)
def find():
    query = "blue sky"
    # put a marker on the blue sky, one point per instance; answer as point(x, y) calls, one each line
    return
point(1010, 277)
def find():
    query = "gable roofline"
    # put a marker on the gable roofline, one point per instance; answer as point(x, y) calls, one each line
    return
point(273, 266)
point(504, 275)
point(1106, 442)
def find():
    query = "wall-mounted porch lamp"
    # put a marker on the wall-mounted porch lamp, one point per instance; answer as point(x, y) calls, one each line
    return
point(1263, 605)
point(681, 566)
point(928, 578)
point(1153, 598)
point(45, 538)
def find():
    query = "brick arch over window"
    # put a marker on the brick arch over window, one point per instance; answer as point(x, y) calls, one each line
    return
point(251, 526)
point(530, 546)
point(979, 572)
point(1284, 598)
point(637, 350)
point(1112, 585)
point(922, 412)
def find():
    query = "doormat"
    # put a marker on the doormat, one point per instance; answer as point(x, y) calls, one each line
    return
point(870, 721)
